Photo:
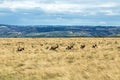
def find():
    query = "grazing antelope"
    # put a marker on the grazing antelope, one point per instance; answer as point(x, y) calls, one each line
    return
point(54, 47)
point(20, 48)
point(82, 46)
point(70, 47)
point(94, 46)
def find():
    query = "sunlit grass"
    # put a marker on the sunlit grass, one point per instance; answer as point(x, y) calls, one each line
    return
point(39, 62)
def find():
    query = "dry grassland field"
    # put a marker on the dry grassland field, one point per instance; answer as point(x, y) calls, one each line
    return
point(60, 59)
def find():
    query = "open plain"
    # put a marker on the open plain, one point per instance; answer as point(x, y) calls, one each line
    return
point(60, 59)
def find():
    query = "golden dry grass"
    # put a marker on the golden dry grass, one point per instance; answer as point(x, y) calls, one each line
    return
point(38, 62)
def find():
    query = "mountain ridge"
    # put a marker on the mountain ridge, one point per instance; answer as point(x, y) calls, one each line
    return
point(58, 31)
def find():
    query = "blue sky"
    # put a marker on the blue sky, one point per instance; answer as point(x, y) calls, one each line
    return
point(60, 12)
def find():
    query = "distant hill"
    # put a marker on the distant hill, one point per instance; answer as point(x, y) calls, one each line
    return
point(58, 31)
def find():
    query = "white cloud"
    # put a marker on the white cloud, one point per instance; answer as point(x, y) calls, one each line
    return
point(110, 12)
point(14, 5)
point(55, 6)
point(108, 5)
point(18, 4)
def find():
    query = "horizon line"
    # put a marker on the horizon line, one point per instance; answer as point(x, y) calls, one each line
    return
point(58, 25)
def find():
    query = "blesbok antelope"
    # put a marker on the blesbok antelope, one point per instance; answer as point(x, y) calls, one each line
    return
point(54, 47)
point(82, 46)
point(70, 47)
point(20, 48)
point(94, 46)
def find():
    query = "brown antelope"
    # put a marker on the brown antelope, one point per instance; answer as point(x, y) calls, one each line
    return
point(82, 46)
point(94, 46)
point(54, 47)
point(70, 47)
point(20, 48)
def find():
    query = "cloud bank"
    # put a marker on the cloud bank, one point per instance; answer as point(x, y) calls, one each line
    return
point(87, 12)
